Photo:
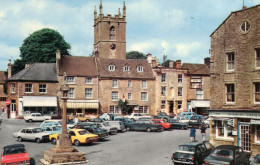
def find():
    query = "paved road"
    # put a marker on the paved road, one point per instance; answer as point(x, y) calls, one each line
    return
point(128, 148)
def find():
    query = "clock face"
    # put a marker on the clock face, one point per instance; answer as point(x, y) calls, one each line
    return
point(113, 46)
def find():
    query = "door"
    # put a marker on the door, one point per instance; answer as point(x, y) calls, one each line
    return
point(13, 109)
point(245, 142)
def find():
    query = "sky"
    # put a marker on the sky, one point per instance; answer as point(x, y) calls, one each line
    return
point(180, 29)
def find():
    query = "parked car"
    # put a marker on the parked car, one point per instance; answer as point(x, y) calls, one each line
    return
point(83, 118)
point(99, 120)
point(52, 130)
point(164, 116)
point(70, 123)
point(182, 119)
point(165, 125)
point(256, 160)
point(135, 116)
point(187, 114)
point(36, 117)
point(110, 129)
point(78, 136)
point(228, 154)
point(144, 125)
point(196, 121)
point(15, 154)
point(118, 124)
point(191, 153)
point(32, 133)
point(105, 117)
point(49, 124)
point(176, 124)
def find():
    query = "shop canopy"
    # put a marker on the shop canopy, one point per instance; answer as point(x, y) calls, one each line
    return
point(39, 101)
point(83, 104)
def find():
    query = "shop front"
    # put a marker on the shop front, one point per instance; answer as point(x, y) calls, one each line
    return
point(236, 127)
point(82, 107)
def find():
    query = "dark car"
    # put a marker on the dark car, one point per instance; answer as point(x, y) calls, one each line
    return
point(256, 160)
point(195, 121)
point(144, 125)
point(178, 125)
point(191, 153)
point(228, 154)
point(93, 128)
point(126, 121)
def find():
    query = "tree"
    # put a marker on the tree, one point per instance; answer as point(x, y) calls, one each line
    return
point(166, 63)
point(123, 105)
point(135, 55)
point(41, 46)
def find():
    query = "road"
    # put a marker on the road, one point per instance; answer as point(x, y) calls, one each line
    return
point(128, 148)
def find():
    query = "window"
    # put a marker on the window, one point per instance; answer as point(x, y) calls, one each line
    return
point(111, 67)
point(114, 83)
point(112, 33)
point(139, 69)
point(144, 96)
point(42, 88)
point(223, 130)
point(179, 105)
point(88, 93)
point(163, 91)
point(179, 78)
point(70, 80)
point(2, 98)
point(230, 93)
point(71, 93)
point(126, 68)
point(129, 83)
point(179, 91)
point(129, 96)
point(163, 78)
point(196, 82)
point(12, 88)
point(143, 109)
point(114, 96)
point(199, 94)
point(88, 80)
point(143, 83)
point(28, 88)
point(114, 109)
point(257, 58)
point(163, 104)
point(245, 26)
point(257, 133)
point(230, 61)
point(257, 92)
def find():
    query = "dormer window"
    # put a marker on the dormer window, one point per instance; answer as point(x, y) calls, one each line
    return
point(126, 68)
point(111, 67)
point(140, 69)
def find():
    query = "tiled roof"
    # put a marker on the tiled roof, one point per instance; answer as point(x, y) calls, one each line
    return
point(78, 66)
point(2, 77)
point(37, 72)
point(196, 69)
point(119, 72)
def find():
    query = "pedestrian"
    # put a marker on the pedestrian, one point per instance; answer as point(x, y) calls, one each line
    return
point(203, 132)
point(192, 134)
point(3, 109)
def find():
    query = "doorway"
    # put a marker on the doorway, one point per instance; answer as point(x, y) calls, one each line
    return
point(245, 141)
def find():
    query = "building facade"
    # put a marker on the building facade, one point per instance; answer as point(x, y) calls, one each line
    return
point(235, 81)
point(3, 95)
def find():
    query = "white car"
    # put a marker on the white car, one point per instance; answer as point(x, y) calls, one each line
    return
point(182, 119)
point(135, 116)
point(32, 133)
point(36, 117)
point(105, 125)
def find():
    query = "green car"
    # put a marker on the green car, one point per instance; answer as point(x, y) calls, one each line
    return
point(178, 125)
point(144, 125)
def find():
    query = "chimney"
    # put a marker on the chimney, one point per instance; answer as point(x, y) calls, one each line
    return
point(178, 64)
point(9, 69)
point(58, 57)
point(171, 64)
point(149, 58)
point(207, 61)
point(154, 63)
point(244, 7)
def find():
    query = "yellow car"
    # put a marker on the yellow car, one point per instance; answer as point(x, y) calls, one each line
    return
point(78, 136)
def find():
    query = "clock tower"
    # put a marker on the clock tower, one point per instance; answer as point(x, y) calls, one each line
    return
point(109, 34)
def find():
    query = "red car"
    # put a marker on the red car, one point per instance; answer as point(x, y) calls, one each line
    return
point(165, 125)
point(15, 154)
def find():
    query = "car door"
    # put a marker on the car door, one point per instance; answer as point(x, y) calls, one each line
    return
point(29, 134)
point(72, 135)
point(39, 117)
point(240, 157)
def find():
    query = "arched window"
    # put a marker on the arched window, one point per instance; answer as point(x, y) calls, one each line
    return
point(112, 33)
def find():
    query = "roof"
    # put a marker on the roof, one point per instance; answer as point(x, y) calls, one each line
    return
point(191, 144)
point(229, 147)
point(119, 64)
point(37, 72)
point(230, 16)
point(2, 77)
point(196, 69)
point(78, 66)
point(14, 146)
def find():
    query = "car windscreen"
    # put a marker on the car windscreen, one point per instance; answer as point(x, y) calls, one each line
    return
point(14, 150)
point(83, 132)
point(106, 124)
point(186, 149)
point(223, 153)
point(57, 128)
point(37, 130)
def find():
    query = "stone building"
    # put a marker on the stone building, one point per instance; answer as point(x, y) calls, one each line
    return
point(235, 81)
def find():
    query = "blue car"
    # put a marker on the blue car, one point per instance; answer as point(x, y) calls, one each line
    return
point(53, 130)
point(187, 114)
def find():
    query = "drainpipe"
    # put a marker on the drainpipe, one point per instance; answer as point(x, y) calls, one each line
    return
point(238, 137)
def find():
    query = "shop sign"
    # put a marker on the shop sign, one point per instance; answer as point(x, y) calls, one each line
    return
point(236, 114)
point(255, 122)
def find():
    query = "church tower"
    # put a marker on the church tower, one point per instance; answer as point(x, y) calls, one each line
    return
point(109, 34)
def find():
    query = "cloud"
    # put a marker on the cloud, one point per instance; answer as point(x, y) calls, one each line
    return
point(9, 51)
point(185, 49)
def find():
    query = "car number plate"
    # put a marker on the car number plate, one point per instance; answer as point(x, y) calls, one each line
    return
point(182, 159)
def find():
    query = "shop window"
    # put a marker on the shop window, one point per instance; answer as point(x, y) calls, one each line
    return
point(114, 109)
point(143, 109)
point(223, 130)
point(257, 133)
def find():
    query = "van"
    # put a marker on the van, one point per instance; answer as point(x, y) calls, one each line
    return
point(118, 124)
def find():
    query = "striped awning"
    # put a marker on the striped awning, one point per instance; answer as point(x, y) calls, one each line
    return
point(84, 104)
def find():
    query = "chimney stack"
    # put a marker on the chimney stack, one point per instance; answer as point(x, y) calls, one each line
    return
point(171, 64)
point(178, 64)
point(58, 57)
point(9, 69)
point(207, 61)
point(244, 7)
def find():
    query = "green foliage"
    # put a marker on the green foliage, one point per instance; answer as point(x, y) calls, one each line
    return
point(135, 55)
point(166, 63)
point(123, 105)
point(41, 46)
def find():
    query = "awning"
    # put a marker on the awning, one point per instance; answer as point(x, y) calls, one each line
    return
point(220, 119)
point(255, 122)
point(39, 101)
point(199, 103)
point(85, 104)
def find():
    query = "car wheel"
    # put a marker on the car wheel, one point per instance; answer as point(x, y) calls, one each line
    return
point(162, 129)
point(182, 128)
point(53, 141)
point(37, 140)
point(20, 139)
point(116, 131)
point(148, 129)
point(30, 120)
point(133, 120)
point(76, 143)
point(128, 128)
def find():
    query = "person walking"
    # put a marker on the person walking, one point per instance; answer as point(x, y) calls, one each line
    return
point(203, 132)
point(192, 134)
